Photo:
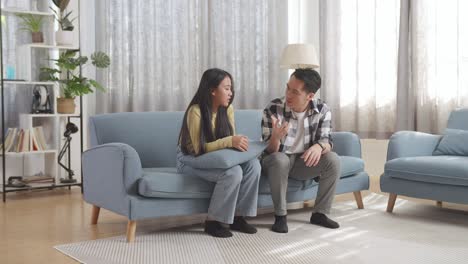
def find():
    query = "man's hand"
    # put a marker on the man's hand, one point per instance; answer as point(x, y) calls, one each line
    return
point(312, 155)
point(240, 142)
point(278, 130)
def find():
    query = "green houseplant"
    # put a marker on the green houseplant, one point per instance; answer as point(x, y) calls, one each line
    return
point(33, 24)
point(71, 83)
point(64, 35)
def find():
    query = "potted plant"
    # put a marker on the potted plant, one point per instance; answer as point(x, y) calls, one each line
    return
point(33, 24)
point(64, 35)
point(71, 83)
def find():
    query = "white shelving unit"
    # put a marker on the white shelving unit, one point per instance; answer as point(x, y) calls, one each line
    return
point(28, 83)
point(13, 10)
point(39, 162)
point(25, 56)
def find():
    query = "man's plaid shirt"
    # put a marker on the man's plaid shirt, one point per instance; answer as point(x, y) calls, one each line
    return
point(317, 123)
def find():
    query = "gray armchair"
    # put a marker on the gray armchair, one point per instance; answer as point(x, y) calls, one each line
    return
point(412, 169)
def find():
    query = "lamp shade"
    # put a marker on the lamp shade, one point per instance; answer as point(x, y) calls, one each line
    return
point(299, 56)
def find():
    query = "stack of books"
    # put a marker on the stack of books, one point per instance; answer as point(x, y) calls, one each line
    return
point(24, 140)
point(38, 179)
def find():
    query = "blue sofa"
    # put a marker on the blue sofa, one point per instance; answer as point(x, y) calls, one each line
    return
point(412, 169)
point(130, 167)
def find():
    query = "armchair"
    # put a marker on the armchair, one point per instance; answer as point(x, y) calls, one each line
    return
point(412, 169)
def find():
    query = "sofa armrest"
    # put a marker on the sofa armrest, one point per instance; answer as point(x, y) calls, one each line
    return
point(346, 144)
point(110, 176)
point(411, 144)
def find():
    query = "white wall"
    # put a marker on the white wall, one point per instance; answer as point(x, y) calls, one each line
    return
point(374, 154)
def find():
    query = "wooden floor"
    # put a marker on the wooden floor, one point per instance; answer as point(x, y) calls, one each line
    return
point(32, 223)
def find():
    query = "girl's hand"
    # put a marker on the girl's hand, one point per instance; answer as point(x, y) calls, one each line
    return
point(240, 142)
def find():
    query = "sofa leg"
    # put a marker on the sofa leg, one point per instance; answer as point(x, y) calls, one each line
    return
point(391, 202)
point(131, 228)
point(308, 203)
point(95, 214)
point(439, 203)
point(358, 198)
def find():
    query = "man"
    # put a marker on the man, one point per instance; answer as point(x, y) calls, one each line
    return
point(297, 128)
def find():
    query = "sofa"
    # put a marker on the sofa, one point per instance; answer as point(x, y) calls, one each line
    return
point(415, 169)
point(130, 169)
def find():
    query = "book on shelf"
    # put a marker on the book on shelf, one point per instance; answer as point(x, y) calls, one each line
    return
point(10, 138)
point(19, 141)
point(39, 134)
point(22, 144)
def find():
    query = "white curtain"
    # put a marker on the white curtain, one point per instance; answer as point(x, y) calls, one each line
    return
point(159, 50)
point(382, 74)
point(359, 55)
point(433, 76)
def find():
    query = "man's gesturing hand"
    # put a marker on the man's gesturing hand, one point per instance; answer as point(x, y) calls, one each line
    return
point(279, 130)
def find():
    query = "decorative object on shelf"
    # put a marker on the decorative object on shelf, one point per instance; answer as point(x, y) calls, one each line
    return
point(41, 100)
point(16, 182)
point(64, 35)
point(33, 24)
point(10, 72)
point(70, 129)
point(73, 84)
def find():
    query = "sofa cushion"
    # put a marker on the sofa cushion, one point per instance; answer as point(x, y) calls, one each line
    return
point(454, 142)
point(452, 170)
point(167, 183)
point(224, 158)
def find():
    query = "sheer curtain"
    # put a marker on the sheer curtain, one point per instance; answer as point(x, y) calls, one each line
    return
point(394, 65)
point(159, 50)
point(433, 76)
point(359, 56)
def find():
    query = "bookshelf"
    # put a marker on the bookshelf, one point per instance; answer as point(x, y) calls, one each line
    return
point(32, 141)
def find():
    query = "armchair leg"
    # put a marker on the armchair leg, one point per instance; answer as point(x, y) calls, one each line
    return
point(391, 202)
point(131, 228)
point(95, 214)
point(439, 203)
point(358, 198)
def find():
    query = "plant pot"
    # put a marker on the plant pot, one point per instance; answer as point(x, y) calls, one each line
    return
point(65, 105)
point(37, 37)
point(64, 37)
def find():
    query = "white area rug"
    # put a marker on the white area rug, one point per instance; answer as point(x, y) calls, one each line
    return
point(414, 233)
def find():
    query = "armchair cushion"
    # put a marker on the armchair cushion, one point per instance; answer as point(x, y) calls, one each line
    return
point(452, 170)
point(224, 158)
point(454, 142)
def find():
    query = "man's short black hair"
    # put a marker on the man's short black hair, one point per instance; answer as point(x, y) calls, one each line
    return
point(311, 79)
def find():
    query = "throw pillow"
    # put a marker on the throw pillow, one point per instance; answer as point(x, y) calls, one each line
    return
point(454, 142)
point(225, 158)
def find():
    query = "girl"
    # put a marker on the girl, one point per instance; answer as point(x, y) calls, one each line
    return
point(208, 125)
